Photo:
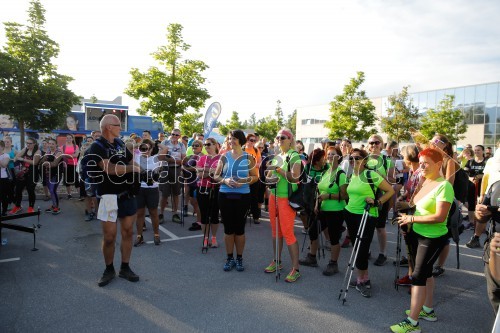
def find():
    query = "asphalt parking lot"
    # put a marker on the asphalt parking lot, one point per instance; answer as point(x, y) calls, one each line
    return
point(55, 288)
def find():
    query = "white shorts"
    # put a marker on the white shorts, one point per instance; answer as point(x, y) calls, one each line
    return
point(108, 208)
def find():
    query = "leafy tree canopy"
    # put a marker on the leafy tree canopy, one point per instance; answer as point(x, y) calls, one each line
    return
point(401, 116)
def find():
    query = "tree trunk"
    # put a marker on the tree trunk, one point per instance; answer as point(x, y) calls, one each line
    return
point(20, 123)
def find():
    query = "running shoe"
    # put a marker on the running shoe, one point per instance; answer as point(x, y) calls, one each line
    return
point(364, 289)
point(139, 241)
point(331, 268)
point(31, 210)
point(437, 271)
point(380, 260)
point(56, 211)
point(128, 274)
point(272, 267)
point(239, 265)
point(293, 276)
point(402, 263)
point(106, 277)
point(213, 243)
point(230, 264)
point(309, 260)
point(50, 209)
point(15, 210)
point(404, 281)
point(405, 327)
point(176, 218)
point(431, 316)
point(205, 243)
point(156, 240)
point(473, 243)
point(160, 217)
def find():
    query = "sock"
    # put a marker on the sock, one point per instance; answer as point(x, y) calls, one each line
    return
point(230, 256)
point(333, 261)
point(427, 310)
point(413, 322)
point(124, 265)
point(239, 256)
point(312, 255)
point(110, 267)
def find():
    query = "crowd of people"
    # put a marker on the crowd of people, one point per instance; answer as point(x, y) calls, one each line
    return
point(227, 182)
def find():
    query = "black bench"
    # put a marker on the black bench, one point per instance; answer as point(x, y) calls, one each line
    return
point(22, 228)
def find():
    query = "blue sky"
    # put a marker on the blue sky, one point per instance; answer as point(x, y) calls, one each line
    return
point(301, 53)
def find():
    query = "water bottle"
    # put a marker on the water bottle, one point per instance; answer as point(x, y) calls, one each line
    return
point(4, 241)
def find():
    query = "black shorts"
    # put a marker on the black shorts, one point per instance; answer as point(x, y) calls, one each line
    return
point(148, 197)
point(127, 207)
point(170, 183)
point(70, 175)
point(382, 215)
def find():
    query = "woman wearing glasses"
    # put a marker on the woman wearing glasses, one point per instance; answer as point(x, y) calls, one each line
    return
point(190, 181)
point(149, 194)
point(330, 204)
point(384, 166)
point(361, 191)
point(208, 192)
point(235, 172)
point(254, 188)
point(51, 162)
point(284, 169)
point(432, 204)
point(25, 162)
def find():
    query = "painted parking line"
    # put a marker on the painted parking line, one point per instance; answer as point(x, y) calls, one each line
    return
point(165, 231)
point(9, 260)
point(176, 239)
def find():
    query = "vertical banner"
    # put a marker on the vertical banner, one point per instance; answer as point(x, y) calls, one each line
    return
point(211, 117)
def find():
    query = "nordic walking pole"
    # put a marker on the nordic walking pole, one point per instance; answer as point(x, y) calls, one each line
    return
point(206, 232)
point(398, 258)
point(354, 255)
point(276, 255)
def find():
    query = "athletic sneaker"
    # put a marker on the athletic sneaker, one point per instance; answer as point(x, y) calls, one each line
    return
point(380, 260)
point(205, 243)
point(402, 263)
point(309, 260)
point(405, 327)
point(92, 216)
point(128, 274)
point(70, 197)
point(160, 217)
point(437, 271)
point(431, 316)
point(473, 243)
point(176, 218)
point(156, 240)
point(56, 210)
point(272, 267)
point(195, 227)
point(331, 268)
point(239, 265)
point(87, 217)
point(293, 276)
point(139, 241)
point(15, 210)
point(230, 264)
point(354, 283)
point(404, 281)
point(31, 210)
point(106, 277)
point(364, 289)
point(50, 209)
point(213, 243)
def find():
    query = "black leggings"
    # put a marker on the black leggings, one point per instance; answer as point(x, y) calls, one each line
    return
point(233, 207)
point(331, 219)
point(426, 251)
point(209, 209)
point(5, 188)
point(353, 222)
point(254, 200)
point(30, 187)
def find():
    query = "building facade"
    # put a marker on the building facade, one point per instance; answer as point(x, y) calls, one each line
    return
point(479, 103)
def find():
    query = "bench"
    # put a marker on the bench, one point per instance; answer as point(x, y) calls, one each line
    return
point(33, 229)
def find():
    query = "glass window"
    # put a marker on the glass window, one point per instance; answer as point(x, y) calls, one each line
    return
point(489, 129)
point(469, 95)
point(489, 140)
point(497, 128)
point(480, 93)
point(492, 94)
point(468, 114)
point(479, 119)
point(414, 99)
point(439, 97)
point(422, 102)
point(490, 114)
point(459, 96)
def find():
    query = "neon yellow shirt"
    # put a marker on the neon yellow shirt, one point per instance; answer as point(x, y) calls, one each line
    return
point(427, 206)
point(328, 179)
point(281, 161)
point(359, 189)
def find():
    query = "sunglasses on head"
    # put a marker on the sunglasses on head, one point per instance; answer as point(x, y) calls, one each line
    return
point(436, 141)
point(374, 143)
point(282, 137)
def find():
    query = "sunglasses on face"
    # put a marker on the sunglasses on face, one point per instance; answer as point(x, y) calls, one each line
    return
point(251, 140)
point(356, 158)
point(174, 134)
point(374, 143)
point(208, 144)
point(282, 137)
point(261, 147)
point(196, 146)
point(144, 149)
point(436, 141)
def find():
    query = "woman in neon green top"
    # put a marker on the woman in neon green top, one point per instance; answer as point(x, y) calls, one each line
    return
point(361, 190)
point(329, 206)
point(432, 204)
point(284, 169)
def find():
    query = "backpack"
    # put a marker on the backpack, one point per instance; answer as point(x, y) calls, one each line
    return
point(376, 192)
point(461, 185)
point(297, 199)
point(336, 180)
point(455, 226)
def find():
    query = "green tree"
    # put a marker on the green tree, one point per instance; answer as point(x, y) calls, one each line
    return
point(233, 123)
point(291, 121)
point(190, 123)
point(445, 119)
point(29, 81)
point(252, 122)
point(352, 114)
point(401, 116)
point(278, 113)
point(169, 92)
point(267, 127)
